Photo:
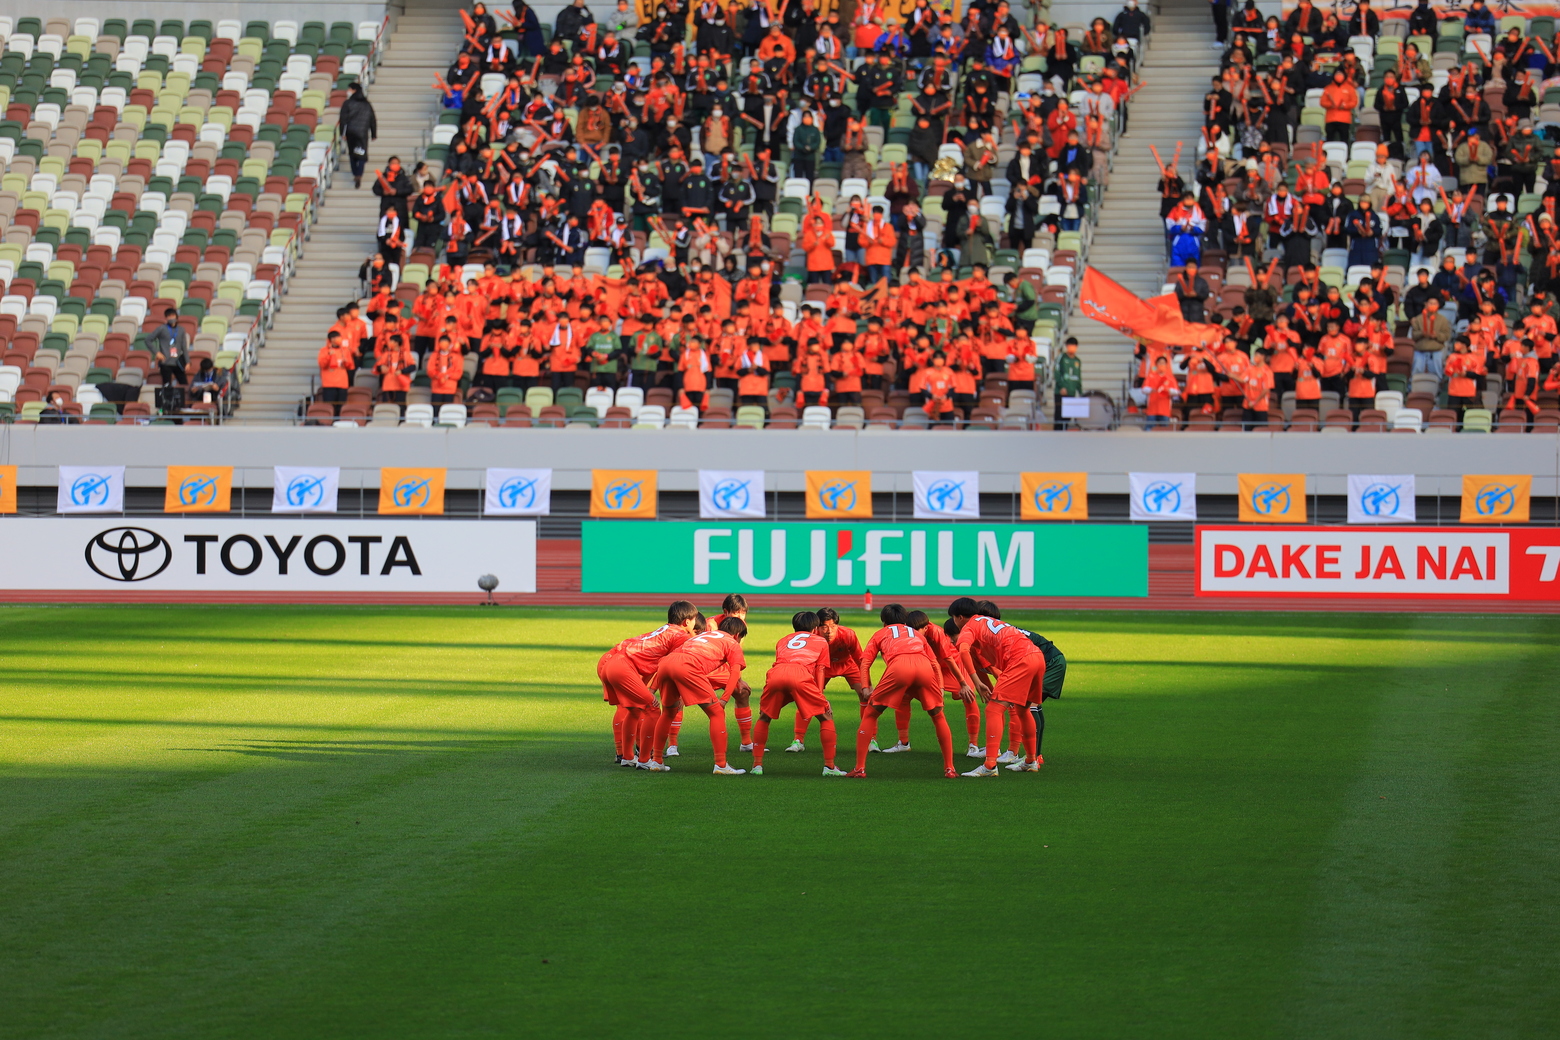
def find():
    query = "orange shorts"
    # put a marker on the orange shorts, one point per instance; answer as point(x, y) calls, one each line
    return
point(1020, 683)
point(906, 678)
point(851, 672)
point(621, 683)
point(790, 685)
point(683, 679)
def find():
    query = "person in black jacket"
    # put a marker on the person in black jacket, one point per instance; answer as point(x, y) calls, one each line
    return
point(1422, 21)
point(358, 126)
point(571, 20)
point(394, 189)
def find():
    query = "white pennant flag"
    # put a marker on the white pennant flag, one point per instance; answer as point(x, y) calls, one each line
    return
point(305, 489)
point(91, 489)
point(1163, 496)
point(1377, 499)
point(731, 494)
point(951, 495)
point(518, 492)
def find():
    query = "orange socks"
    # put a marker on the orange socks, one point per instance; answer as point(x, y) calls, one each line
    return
point(944, 738)
point(676, 729)
point(745, 724)
point(830, 740)
point(718, 736)
point(864, 736)
point(760, 736)
point(1015, 728)
point(801, 726)
point(663, 730)
point(996, 715)
point(1031, 743)
point(619, 717)
point(902, 723)
point(645, 721)
point(972, 719)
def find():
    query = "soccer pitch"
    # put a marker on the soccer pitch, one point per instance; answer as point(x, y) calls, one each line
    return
point(360, 822)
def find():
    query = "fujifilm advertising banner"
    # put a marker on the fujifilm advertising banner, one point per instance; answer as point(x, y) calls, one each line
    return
point(306, 555)
point(892, 559)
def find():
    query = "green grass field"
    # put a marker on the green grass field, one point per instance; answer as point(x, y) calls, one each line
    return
point(320, 823)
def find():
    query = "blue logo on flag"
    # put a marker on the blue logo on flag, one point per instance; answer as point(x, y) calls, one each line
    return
point(1381, 500)
point(838, 496)
point(306, 490)
point(1495, 500)
point(89, 489)
point(731, 495)
point(1162, 497)
point(198, 490)
point(622, 495)
point(1054, 498)
point(517, 493)
point(411, 493)
point(1270, 498)
point(946, 496)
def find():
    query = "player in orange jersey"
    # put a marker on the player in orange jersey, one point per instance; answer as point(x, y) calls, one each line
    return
point(734, 605)
point(1020, 669)
point(844, 654)
point(623, 671)
point(947, 657)
point(910, 672)
point(690, 675)
point(801, 660)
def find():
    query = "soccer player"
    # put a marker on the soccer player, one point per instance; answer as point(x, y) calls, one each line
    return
point(801, 659)
point(910, 671)
point(947, 656)
point(844, 661)
point(1050, 688)
point(1015, 731)
point(1020, 669)
point(623, 671)
point(735, 605)
point(690, 675)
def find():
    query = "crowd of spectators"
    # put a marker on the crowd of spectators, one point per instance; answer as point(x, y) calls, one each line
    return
point(1370, 216)
point(765, 199)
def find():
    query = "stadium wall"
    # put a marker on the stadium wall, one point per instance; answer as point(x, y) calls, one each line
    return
point(1107, 456)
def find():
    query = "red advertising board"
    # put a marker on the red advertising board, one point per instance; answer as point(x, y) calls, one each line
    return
point(1474, 562)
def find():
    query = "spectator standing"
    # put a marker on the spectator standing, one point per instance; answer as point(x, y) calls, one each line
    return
point(358, 126)
point(336, 365)
point(171, 349)
point(1068, 380)
point(1431, 332)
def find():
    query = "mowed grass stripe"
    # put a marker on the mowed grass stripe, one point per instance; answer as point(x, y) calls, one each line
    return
point(334, 835)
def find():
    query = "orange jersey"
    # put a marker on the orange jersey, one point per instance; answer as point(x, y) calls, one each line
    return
point(944, 651)
point(844, 650)
point(709, 652)
point(646, 651)
point(997, 643)
point(895, 641)
point(804, 653)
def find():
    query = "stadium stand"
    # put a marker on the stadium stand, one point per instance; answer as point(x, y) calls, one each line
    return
point(152, 165)
point(1353, 172)
point(1036, 88)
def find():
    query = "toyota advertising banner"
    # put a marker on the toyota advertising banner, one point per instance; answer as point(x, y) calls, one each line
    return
point(892, 559)
point(1492, 563)
point(306, 555)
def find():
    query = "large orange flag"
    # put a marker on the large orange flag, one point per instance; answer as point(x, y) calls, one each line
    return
point(1156, 320)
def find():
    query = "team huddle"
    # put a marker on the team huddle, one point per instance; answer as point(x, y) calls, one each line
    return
point(1001, 674)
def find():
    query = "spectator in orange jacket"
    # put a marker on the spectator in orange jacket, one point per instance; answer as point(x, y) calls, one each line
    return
point(1160, 385)
point(1339, 100)
point(848, 367)
point(444, 371)
point(878, 239)
point(818, 243)
point(395, 364)
point(336, 366)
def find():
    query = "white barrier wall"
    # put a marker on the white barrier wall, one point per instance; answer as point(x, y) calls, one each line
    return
point(679, 454)
point(304, 555)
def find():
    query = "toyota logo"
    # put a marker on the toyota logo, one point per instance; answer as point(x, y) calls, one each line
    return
point(129, 554)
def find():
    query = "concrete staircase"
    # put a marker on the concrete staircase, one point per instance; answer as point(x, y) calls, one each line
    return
point(425, 39)
point(1129, 240)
